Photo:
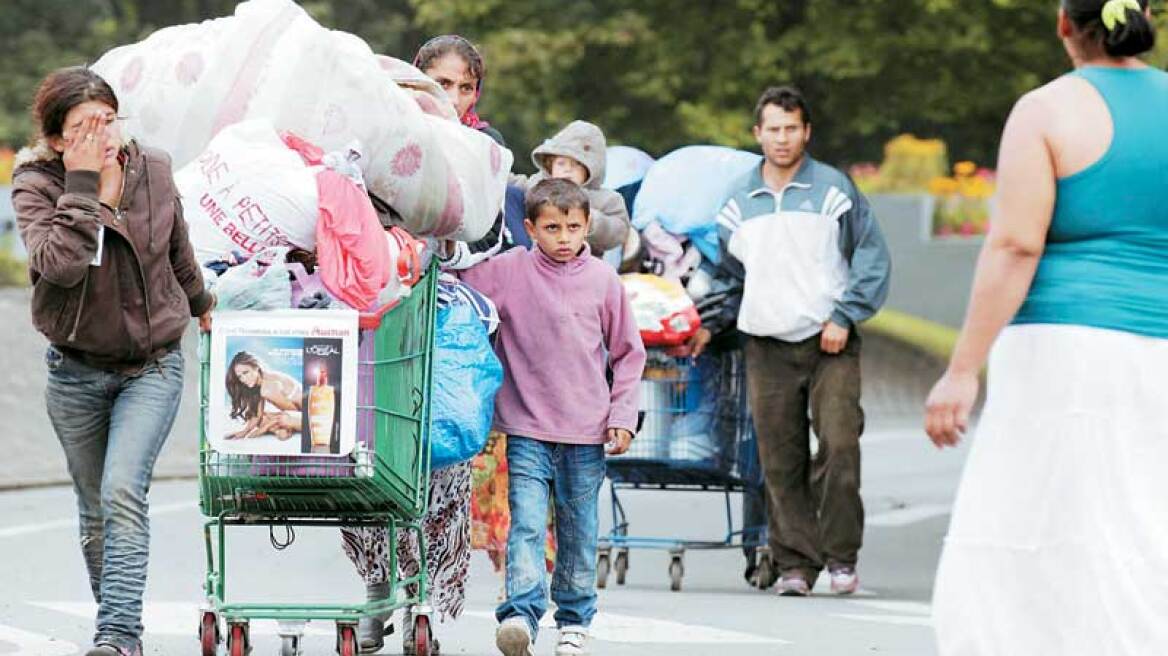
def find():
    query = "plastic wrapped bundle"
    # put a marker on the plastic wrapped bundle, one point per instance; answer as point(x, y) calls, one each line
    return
point(184, 84)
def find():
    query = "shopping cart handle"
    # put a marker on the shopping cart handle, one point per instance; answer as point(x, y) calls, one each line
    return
point(372, 320)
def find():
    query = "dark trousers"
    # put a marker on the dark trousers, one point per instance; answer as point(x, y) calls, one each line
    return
point(816, 515)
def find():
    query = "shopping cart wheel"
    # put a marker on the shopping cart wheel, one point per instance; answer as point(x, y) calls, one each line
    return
point(622, 565)
point(346, 640)
point(676, 572)
point(602, 568)
point(289, 645)
point(422, 637)
point(238, 640)
point(209, 633)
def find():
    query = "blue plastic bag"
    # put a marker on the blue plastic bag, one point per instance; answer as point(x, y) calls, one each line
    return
point(685, 190)
point(625, 165)
point(467, 374)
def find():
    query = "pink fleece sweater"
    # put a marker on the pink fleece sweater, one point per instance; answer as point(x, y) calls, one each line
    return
point(561, 324)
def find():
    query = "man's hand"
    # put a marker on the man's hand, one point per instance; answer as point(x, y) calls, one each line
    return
point(619, 440)
point(834, 338)
point(696, 344)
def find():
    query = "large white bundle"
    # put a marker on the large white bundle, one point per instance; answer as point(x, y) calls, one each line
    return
point(246, 192)
point(184, 84)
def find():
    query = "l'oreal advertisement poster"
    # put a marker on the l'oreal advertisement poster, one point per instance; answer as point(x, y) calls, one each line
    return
point(283, 382)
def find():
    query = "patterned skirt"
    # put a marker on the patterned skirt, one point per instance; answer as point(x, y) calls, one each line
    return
point(447, 528)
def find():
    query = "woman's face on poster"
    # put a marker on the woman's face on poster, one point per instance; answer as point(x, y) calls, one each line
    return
point(247, 374)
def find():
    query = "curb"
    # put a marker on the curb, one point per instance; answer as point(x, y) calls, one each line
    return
point(935, 339)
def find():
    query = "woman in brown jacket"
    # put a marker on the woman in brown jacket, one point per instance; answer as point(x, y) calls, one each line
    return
point(115, 284)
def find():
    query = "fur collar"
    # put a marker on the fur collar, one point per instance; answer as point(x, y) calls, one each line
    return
point(39, 152)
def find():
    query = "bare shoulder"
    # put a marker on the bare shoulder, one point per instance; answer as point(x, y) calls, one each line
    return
point(1035, 108)
point(279, 381)
point(1072, 118)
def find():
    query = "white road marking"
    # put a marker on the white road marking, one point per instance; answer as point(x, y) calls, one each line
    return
point(901, 613)
point(909, 515)
point(181, 618)
point(611, 627)
point(896, 620)
point(33, 644)
point(901, 607)
point(54, 524)
point(176, 618)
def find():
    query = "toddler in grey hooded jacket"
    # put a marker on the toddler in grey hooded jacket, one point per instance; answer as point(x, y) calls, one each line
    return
point(585, 143)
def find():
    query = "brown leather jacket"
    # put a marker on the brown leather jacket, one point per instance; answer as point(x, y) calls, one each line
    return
point(133, 307)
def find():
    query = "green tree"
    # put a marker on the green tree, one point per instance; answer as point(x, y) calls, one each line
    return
point(656, 74)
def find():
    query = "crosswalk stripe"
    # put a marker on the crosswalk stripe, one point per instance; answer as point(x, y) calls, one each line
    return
point(55, 524)
point(33, 644)
point(180, 618)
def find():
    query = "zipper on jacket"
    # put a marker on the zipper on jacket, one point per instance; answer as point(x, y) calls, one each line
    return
point(119, 216)
point(80, 307)
point(149, 249)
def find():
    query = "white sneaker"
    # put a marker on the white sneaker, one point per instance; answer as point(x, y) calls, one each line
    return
point(513, 637)
point(573, 641)
point(844, 580)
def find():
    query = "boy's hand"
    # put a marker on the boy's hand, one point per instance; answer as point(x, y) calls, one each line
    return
point(619, 440)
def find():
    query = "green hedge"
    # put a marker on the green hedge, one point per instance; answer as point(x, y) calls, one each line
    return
point(13, 270)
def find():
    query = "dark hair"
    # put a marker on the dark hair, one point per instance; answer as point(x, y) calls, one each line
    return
point(1134, 36)
point(789, 98)
point(559, 193)
point(64, 89)
point(440, 46)
point(246, 402)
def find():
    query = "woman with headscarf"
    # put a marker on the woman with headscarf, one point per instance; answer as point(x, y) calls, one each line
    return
point(458, 67)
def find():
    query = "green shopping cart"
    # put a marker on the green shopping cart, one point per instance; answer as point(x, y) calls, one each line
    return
point(383, 483)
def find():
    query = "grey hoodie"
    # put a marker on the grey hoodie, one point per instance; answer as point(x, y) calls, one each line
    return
point(585, 143)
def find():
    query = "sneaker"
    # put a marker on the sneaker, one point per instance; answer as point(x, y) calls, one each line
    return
point(110, 649)
point(572, 641)
point(513, 637)
point(844, 580)
point(793, 584)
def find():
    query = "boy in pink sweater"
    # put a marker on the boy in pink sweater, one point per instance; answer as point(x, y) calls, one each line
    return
point(564, 320)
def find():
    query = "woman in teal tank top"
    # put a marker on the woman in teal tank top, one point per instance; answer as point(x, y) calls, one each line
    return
point(1058, 542)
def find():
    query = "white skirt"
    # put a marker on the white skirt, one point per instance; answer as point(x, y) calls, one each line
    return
point(1059, 537)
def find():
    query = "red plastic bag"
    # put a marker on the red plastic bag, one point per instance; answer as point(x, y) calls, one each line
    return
point(665, 314)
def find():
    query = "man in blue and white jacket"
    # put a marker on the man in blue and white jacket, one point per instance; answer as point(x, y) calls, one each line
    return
point(803, 263)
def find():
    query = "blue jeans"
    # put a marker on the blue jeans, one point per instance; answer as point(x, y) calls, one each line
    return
point(574, 473)
point(112, 427)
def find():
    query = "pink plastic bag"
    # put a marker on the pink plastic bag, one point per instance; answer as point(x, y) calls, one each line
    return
point(354, 263)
